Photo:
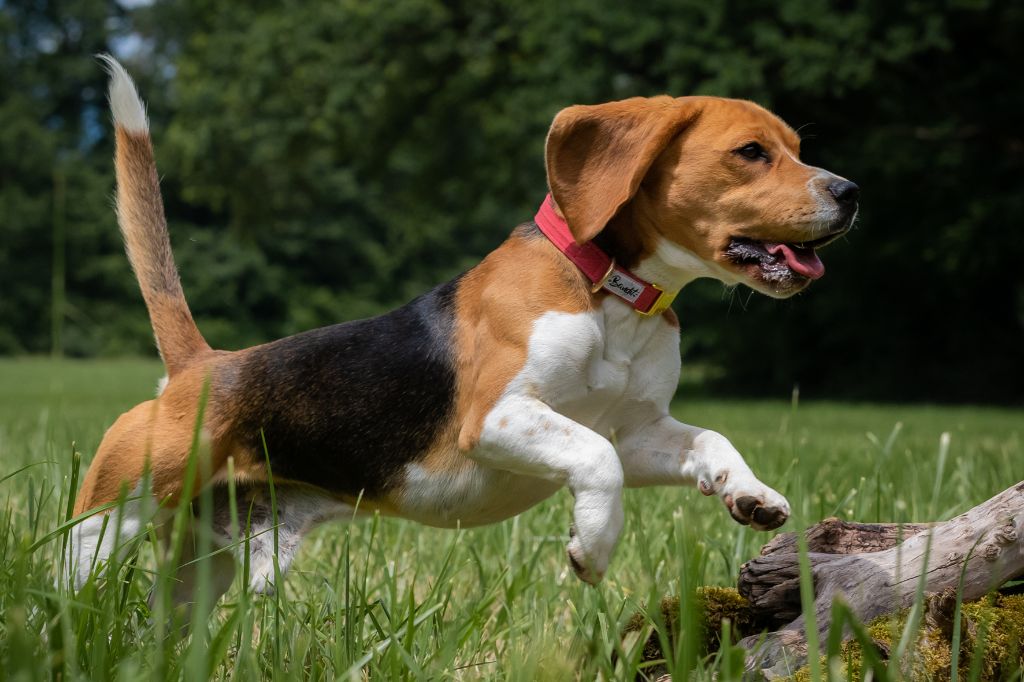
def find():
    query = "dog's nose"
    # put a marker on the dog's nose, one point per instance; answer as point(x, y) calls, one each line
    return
point(844, 192)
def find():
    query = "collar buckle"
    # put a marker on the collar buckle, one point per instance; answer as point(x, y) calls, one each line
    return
point(599, 284)
point(661, 304)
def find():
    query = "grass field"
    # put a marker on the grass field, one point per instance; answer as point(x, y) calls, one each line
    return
point(387, 599)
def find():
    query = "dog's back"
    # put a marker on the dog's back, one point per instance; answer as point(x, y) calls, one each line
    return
point(345, 407)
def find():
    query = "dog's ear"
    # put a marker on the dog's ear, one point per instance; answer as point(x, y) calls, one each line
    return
point(597, 155)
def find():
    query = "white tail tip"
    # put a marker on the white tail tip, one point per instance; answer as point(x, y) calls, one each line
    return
point(127, 108)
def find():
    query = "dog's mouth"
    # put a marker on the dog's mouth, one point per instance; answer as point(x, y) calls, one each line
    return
point(780, 263)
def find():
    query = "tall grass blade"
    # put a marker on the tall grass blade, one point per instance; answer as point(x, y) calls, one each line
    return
point(807, 607)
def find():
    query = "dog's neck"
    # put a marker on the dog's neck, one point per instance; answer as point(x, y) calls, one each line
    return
point(636, 243)
point(671, 266)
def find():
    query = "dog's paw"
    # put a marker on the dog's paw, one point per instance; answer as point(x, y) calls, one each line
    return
point(762, 509)
point(588, 568)
point(750, 503)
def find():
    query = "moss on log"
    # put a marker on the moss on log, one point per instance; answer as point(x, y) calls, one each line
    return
point(992, 642)
point(716, 604)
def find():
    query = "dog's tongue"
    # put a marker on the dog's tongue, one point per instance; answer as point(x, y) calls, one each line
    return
point(802, 260)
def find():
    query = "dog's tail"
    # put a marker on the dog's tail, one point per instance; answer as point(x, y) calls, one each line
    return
point(140, 213)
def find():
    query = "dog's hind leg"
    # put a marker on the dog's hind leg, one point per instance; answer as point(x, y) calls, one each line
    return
point(155, 436)
point(297, 509)
point(112, 533)
point(185, 580)
point(114, 478)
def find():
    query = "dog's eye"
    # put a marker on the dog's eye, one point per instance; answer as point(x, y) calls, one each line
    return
point(753, 151)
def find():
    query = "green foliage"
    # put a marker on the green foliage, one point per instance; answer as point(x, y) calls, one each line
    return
point(327, 161)
point(52, 132)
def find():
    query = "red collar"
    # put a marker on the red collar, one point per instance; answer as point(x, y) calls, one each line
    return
point(599, 267)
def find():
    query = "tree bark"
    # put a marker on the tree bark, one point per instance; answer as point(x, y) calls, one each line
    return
point(835, 536)
point(774, 595)
point(987, 543)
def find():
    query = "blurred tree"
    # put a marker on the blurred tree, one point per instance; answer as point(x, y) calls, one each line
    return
point(325, 161)
point(53, 130)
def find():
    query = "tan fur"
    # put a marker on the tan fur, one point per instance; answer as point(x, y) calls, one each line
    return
point(159, 434)
point(498, 302)
point(647, 168)
point(140, 214)
point(698, 194)
point(597, 156)
point(671, 318)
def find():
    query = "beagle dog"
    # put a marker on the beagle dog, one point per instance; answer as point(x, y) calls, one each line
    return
point(550, 364)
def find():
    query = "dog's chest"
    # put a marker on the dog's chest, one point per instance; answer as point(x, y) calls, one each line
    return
point(600, 366)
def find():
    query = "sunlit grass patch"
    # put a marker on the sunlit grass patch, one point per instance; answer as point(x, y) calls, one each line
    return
point(384, 598)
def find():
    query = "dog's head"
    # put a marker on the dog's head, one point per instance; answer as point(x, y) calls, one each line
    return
point(714, 182)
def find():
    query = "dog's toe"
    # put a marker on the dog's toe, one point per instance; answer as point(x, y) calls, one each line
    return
point(769, 518)
point(757, 512)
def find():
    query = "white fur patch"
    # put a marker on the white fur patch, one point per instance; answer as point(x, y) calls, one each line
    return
point(468, 496)
point(673, 266)
point(299, 508)
point(585, 375)
point(125, 105)
point(94, 540)
point(591, 379)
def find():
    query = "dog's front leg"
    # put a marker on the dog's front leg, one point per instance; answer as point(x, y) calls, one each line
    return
point(523, 435)
point(663, 451)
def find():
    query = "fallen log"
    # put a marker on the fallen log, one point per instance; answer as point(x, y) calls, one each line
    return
point(991, 637)
point(986, 544)
point(774, 595)
point(835, 536)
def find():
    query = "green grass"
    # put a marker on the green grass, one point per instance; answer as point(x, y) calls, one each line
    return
point(388, 599)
